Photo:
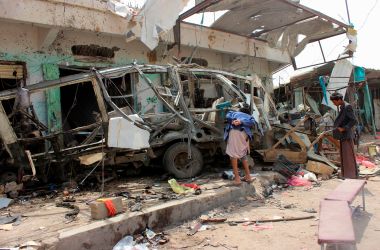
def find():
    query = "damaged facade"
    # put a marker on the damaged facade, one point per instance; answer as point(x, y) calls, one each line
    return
point(72, 65)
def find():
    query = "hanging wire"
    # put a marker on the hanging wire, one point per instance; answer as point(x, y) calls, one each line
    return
point(368, 14)
point(121, 93)
point(72, 106)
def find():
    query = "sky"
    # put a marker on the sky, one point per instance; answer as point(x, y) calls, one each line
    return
point(364, 15)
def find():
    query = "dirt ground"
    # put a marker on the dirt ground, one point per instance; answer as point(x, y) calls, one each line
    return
point(290, 235)
point(41, 218)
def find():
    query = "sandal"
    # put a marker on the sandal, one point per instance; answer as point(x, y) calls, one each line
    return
point(234, 184)
point(248, 181)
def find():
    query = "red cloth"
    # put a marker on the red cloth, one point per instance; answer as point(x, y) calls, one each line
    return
point(191, 185)
point(110, 207)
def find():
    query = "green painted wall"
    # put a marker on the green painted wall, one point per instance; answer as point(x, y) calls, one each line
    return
point(53, 98)
point(34, 64)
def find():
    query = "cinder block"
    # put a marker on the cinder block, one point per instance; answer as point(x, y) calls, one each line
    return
point(99, 210)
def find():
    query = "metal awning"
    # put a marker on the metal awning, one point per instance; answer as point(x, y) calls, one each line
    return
point(284, 24)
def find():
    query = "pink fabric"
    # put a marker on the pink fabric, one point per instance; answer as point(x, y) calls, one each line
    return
point(259, 227)
point(361, 158)
point(335, 223)
point(368, 164)
point(237, 144)
point(298, 182)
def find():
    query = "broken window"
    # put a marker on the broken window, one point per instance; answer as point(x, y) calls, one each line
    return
point(12, 75)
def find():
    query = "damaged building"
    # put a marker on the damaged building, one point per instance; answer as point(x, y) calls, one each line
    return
point(79, 81)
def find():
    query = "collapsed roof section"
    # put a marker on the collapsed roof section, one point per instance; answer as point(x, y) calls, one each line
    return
point(284, 24)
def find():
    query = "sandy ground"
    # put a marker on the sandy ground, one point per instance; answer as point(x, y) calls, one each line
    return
point(280, 235)
point(41, 218)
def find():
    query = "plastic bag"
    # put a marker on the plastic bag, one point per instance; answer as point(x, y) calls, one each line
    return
point(127, 243)
point(298, 182)
point(368, 164)
point(178, 188)
point(310, 176)
point(360, 159)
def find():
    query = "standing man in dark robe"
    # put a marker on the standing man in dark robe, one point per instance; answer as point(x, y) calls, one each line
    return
point(343, 131)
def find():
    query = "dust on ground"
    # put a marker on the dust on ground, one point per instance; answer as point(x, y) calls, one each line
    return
point(42, 219)
point(290, 202)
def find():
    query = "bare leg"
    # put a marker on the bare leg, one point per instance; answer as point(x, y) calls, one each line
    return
point(234, 164)
point(246, 170)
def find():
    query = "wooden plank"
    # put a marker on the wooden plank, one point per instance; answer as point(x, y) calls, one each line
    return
point(100, 100)
point(7, 71)
point(6, 131)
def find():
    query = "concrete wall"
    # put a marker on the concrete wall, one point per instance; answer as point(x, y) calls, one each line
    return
point(37, 45)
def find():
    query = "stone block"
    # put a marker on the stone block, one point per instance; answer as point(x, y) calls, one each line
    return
point(319, 168)
point(99, 210)
point(12, 186)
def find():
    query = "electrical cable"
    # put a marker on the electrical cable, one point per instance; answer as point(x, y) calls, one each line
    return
point(120, 92)
point(72, 106)
point(368, 14)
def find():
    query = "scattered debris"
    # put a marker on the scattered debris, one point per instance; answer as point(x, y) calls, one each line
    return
point(149, 233)
point(258, 227)
point(135, 207)
point(7, 219)
point(6, 227)
point(310, 177)
point(207, 219)
point(288, 206)
point(206, 227)
point(5, 202)
point(310, 210)
point(31, 245)
point(270, 220)
point(124, 243)
point(142, 242)
point(285, 167)
point(72, 214)
point(195, 228)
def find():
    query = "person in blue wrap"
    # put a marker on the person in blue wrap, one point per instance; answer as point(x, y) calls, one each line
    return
point(237, 134)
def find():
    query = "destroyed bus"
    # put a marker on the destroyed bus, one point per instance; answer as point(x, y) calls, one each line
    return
point(125, 116)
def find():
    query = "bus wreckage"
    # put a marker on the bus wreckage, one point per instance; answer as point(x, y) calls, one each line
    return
point(138, 113)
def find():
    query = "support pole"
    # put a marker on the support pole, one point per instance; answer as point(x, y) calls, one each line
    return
point(348, 13)
point(363, 197)
point(368, 101)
